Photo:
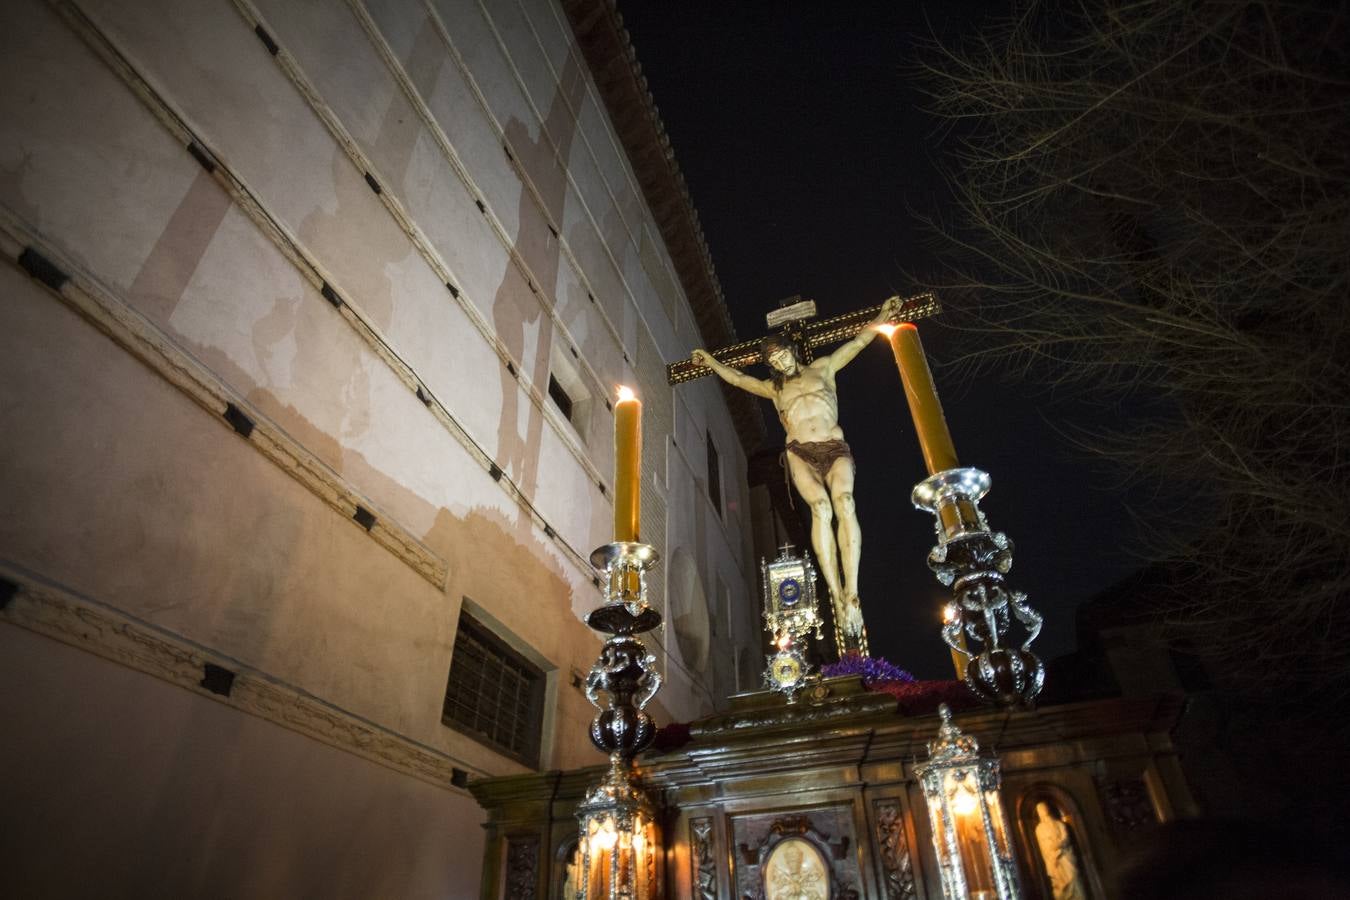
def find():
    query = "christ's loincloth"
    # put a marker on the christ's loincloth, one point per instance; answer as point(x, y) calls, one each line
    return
point(821, 455)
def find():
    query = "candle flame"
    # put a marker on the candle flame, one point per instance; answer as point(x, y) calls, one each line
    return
point(626, 393)
point(603, 837)
point(784, 642)
point(964, 801)
point(949, 613)
point(887, 329)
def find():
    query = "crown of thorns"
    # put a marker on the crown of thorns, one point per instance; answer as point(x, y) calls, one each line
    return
point(776, 342)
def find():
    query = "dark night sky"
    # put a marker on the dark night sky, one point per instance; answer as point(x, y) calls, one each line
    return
point(805, 149)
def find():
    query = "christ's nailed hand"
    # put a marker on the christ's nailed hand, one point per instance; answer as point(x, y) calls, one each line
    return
point(701, 358)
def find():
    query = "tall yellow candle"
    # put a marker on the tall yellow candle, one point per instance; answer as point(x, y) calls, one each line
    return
point(934, 440)
point(627, 464)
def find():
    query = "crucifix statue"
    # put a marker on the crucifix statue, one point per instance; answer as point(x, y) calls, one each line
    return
point(803, 391)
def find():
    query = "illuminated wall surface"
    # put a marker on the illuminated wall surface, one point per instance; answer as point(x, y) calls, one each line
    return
point(396, 223)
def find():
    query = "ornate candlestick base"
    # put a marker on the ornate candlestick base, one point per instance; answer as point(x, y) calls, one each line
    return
point(625, 670)
point(972, 561)
point(619, 840)
point(624, 565)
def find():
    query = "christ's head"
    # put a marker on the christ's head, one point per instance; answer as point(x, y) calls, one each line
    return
point(782, 355)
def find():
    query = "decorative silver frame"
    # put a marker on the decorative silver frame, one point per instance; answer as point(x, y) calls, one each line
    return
point(788, 625)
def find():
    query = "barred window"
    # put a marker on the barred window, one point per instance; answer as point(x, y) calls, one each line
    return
point(494, 695)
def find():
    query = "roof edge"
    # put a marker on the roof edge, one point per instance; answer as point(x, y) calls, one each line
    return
point(609, 54)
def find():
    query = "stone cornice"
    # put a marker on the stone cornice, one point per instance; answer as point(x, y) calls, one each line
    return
point(88, 625)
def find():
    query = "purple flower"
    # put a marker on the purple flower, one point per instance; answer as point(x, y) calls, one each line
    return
point(873, 669)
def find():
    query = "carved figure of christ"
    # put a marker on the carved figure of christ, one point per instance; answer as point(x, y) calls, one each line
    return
point(819, 462)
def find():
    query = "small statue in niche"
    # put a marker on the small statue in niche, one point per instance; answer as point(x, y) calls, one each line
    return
point(1058, 854)
point(572, 874)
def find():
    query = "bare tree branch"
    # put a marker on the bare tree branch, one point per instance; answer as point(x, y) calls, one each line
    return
point(1154, 202)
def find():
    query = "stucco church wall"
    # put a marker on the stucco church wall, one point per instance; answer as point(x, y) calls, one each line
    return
point(410, 214)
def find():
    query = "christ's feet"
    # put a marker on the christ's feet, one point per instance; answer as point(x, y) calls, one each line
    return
point(852, 618)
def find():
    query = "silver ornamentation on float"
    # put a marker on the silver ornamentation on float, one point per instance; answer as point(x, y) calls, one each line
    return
point(619, 834)
point(787, 672)
point(965, 809)
point(896, 865)
point(973, 561)
point(623, 566)
point(702, 855)
point(790, 615)
point(790, 594)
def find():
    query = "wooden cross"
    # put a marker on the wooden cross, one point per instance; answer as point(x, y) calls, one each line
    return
point(794, 319)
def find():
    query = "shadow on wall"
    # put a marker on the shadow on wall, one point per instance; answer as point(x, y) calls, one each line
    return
point(517, 309)
point(688, 612)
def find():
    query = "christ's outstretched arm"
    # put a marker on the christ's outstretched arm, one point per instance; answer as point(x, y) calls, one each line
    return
point(846, 352)
point(734, 377)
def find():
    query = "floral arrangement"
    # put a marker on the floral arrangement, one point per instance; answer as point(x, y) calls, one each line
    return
point(873, 669)
point(913, 697)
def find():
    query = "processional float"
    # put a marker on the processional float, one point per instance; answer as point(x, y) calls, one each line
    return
point(971, 559)
point(619, 842)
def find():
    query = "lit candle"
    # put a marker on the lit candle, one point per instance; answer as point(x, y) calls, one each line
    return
point(934, 439)
point(627, 464)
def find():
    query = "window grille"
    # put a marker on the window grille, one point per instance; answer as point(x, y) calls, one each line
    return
point(494, 695)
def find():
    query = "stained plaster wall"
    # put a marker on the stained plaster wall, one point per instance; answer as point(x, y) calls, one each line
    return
point(442, 170)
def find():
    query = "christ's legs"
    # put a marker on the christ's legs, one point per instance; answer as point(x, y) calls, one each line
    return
point(840, 482)
point(848, 609)
point(812, 489)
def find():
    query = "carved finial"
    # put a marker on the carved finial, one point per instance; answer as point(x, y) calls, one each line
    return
point(951, 743)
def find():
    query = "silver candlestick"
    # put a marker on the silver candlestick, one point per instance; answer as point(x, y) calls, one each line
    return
point(619, 836)
point(972, 561)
